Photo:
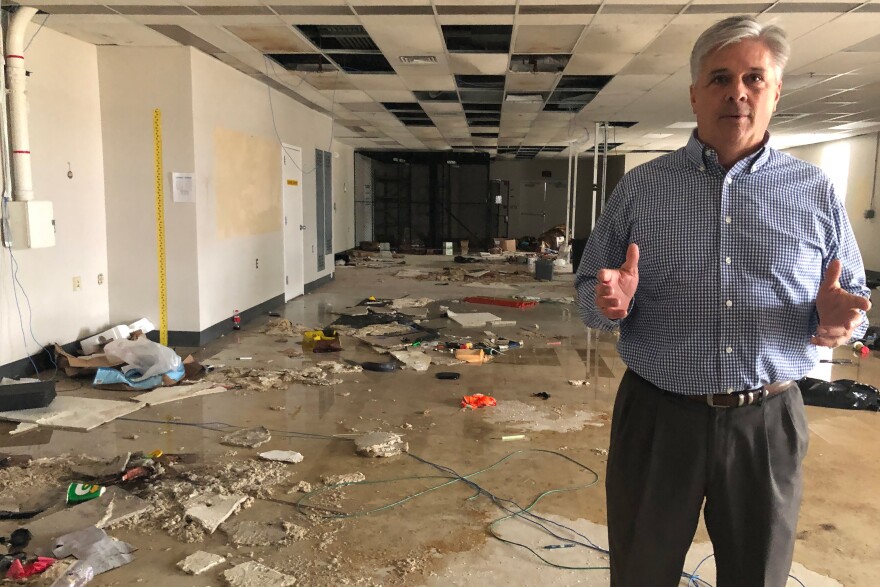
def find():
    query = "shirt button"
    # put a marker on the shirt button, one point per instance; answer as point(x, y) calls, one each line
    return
point(728, 303)
point(702, 168)
point(727, 260)
point(729, 180)
point(728, 219)
point(729, 350)
point(729, 390)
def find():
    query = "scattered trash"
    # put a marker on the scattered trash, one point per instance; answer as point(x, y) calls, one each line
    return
point(147, 358)
point(837, 361)
point(164, 395)
point(542, 394)
point(379, 367)
point(337, 367)
point(477, 401)
point(284, 327)
point(291, 352)
point(253, 574)
point(842, 393)
point(95, 548)
point(448, 375)
point(513, 437)
point(472, 320)
point(18, 571)
point(473, 356)
point(401, 303)
point(552, 546)
point(345, 479)
point(74, 366)
point(415, 360)
point(263, 379)
point(602, 452)
point(76, 575)
point(25, 394)
point(578, 382)
point(73, 413)
point(80, 492)
point(380, 444)
point(212, 509)
point(200, 562)
point(247, 437)
point(283, 456)
point(505, 302)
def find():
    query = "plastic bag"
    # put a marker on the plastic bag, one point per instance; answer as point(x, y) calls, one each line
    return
point(843, 393)
point(143, 355)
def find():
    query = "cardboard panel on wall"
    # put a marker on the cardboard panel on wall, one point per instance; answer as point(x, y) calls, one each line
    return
point(247, 184)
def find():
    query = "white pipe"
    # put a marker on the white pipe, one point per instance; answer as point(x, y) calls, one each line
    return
point(595, 174)
point(5, 163)
point(16, 80)
point(604, 165)
point(574, 194)
point(568, 198)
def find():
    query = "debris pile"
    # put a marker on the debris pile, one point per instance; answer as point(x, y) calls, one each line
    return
point(380, 444)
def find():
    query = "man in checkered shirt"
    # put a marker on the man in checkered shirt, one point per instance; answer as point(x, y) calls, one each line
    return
point(725, 265)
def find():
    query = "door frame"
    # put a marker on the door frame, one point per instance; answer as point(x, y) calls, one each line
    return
point(288, 234)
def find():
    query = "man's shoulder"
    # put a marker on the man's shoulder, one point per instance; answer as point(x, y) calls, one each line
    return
point(656, 168)
point(780, 162)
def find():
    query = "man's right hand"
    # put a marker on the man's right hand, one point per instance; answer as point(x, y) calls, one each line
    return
point(616, 287)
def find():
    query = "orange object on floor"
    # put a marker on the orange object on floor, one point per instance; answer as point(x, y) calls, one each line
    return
point(477, 400)
point(474, 356)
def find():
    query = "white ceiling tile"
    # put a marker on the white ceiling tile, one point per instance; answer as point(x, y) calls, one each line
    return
point(478, 63)
point(367, 81)
point(427, 83)
point(392, 95)
point(524, 82)
point(621, 33)
point(272, 39)
point(546, 39)
point(597, 63)
point(656, 64)
point(442, 107)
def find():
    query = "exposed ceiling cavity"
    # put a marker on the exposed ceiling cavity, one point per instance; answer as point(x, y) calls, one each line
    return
point(527, 63)
point(338, 37)
point(477, 38)
point(311, 62)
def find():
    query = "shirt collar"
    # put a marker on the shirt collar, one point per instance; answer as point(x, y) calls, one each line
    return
point(701, 154)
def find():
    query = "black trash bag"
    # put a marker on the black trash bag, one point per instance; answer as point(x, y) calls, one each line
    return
point(843, 393)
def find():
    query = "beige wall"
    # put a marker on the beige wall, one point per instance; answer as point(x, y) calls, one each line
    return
point(134, 82)
point(863, 180)
point(65, 128)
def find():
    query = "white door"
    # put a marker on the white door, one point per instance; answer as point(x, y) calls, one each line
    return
point(291, 189)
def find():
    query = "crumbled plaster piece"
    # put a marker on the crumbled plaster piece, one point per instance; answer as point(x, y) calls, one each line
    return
point(346, 478)
point(22, 428)
point(199, 562)
point(415, 360)
point(254, 533)
point(252, 574)
point(284, 327)
point(284, 456)
point(293, 531)
point(301, 487)
point(337, 367)
point(578, 382)
point(380, 444)
point(212, 509)
point(401, 303)
point(248, 437)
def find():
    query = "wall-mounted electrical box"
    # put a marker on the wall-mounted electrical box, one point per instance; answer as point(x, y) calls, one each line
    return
point(31, 225)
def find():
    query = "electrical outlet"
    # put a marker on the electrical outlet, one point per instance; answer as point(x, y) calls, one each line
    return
point(100, 279)
point(257, 263)
point(77, 284)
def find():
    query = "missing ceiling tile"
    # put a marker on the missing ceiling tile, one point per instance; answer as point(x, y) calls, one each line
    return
point(529, 63)
point(436, 96)
point(338, 37)
point(477, 38)
point(311, 62)
point(362, 63)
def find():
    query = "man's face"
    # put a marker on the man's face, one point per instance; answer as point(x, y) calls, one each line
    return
point(735, 95)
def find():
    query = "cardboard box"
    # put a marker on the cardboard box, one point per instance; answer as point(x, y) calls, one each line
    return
point(508, 245)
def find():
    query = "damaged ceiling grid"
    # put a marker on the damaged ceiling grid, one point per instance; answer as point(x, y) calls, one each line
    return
point(515, 79)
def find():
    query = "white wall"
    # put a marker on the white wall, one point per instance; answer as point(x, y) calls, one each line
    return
point(861, 174)
point(65, 127)
point(633, 160)
point(134, 82)
point(228, 277)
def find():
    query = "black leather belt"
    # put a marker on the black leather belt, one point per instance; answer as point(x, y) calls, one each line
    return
point(742, 398)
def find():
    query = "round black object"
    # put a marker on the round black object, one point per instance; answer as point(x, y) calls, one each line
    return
point(448, 375)
point(380, 367)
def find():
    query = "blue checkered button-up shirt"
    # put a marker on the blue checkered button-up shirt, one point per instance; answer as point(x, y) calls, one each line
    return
point(730, 265)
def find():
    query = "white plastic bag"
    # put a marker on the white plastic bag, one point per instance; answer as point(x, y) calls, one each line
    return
point(148, 357)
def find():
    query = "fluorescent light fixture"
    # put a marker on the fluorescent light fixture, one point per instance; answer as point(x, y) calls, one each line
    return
point(683, 125)
point(856, 125)
point(656, 135)
point(527, 98)
point(418, 59)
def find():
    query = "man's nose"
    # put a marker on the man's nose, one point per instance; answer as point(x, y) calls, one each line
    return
point(737, 91)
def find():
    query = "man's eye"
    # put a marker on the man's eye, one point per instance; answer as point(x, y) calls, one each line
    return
point(756, 77)
point(719, 79)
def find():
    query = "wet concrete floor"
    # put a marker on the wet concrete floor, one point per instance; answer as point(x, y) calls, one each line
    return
point(443, 535)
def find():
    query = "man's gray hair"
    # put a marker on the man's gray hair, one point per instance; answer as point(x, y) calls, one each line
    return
point(739, 28)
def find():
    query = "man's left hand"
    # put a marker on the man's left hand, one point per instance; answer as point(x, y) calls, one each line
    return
point(839, 310)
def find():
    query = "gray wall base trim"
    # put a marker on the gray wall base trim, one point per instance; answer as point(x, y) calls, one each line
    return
point(310, 287)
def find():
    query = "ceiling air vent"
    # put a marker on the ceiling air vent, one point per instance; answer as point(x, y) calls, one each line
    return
point(418, 59)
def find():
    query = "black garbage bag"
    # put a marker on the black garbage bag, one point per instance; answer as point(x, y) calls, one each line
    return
point(843, 393)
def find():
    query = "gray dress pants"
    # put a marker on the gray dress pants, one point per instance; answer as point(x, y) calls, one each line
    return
point(669, 457)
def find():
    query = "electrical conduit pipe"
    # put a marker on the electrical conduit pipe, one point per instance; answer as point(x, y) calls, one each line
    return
point(16, 80)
